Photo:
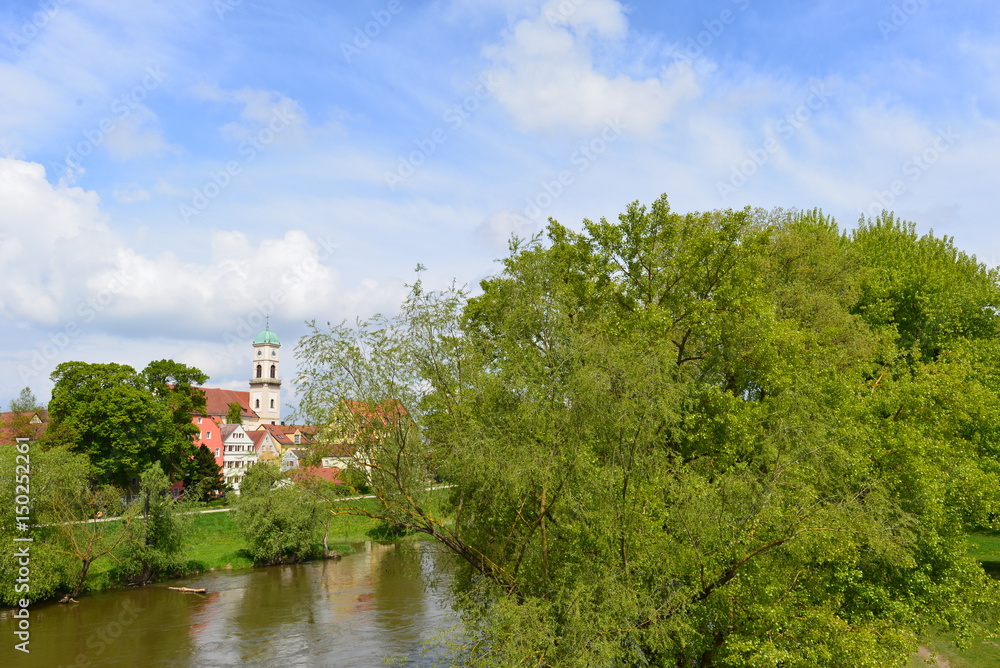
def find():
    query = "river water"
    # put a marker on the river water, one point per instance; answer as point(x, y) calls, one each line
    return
point(383, 601)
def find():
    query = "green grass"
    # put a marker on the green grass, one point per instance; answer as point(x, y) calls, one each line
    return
point(984, 651)
point(214, 542)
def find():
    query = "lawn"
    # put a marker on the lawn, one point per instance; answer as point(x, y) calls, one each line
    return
point(984, 652)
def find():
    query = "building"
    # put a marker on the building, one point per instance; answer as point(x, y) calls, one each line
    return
point(261, 403)
point(30, 425)
point(238, 454)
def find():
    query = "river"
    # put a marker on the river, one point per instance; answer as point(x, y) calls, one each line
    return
point(378, 602)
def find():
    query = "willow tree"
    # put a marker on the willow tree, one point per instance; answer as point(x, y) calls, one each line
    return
point(674, 440)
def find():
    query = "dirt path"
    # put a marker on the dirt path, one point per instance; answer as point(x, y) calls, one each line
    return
point(925, 654)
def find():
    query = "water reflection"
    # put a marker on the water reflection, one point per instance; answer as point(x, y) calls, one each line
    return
point(354, 612)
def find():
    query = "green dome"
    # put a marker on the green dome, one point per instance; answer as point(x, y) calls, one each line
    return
point(267, 336)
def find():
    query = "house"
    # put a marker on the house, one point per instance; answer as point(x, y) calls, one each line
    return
point(238, 453)
point(210, 435)
point(267, 450)
point(293, 458)
point(30, 425)
point(291, 435)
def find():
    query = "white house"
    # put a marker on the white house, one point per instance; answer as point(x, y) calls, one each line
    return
point(238, 453)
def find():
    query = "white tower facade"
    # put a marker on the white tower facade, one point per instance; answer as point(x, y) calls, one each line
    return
point(265, 381)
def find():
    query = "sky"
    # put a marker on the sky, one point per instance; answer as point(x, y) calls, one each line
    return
point(174, 173)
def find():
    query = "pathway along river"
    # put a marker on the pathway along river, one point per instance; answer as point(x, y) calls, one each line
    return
point(375, 603)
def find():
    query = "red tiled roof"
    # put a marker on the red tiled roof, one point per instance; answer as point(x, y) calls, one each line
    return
point(217, 402)
point(388, 411)
point(283, 434)
point(330, 475)
point(22, 423)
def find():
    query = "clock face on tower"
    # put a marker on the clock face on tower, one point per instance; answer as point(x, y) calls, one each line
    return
point(274, 353)
point(259, 353)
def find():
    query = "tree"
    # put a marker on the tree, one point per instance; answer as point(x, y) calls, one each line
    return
point(154, 549)
point(204, 478)
point(277, 519)
point(87, 522)
point(25, 402)
point(124, 420)
point(51, 570)
point(235, 413)
point(689, 439)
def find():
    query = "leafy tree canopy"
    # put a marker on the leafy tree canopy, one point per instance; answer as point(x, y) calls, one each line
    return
point(737, 438)
point(124, 420)
point(25, 402)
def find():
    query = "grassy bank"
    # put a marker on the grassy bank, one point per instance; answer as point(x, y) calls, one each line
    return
point(984, 651)
point(215, 542)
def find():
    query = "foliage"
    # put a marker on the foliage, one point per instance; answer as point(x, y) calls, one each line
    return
point(234, 414)
point(735, 438)
point(155, 547)
point(277, 519)
point(204, 477)
point(77, 513)
point(50, 570)
point(123, 420)
point(25, 402)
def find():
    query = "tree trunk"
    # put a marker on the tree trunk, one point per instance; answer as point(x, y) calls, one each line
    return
point(83, 576)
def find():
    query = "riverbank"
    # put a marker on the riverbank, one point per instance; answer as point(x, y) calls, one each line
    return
point(213, 543)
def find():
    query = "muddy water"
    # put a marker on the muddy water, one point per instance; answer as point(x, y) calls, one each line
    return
point(375, 603)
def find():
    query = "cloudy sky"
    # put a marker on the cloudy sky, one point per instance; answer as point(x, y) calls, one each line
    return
point(170, 172)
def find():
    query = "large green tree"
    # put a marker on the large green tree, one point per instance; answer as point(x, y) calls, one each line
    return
point(124, 420)
point(728, 438)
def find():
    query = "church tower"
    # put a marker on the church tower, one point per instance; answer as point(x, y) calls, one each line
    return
point(265, 382)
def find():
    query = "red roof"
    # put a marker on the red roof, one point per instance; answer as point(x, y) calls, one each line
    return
point(330, 474)
point(217, 402)
point(283, 434)
point(29, 425)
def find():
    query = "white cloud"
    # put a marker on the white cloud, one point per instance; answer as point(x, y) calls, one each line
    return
point(550, 78)
point(61, 263)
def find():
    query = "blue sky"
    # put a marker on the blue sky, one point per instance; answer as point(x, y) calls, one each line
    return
point(172, 172)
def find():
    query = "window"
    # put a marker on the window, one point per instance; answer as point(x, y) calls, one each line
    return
point(199, 420)
point(260, 370)
point(256, 403)
point(273, 371)
point(297, 439)
point(216, 452)
point(272, 403)
point(208, 436)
